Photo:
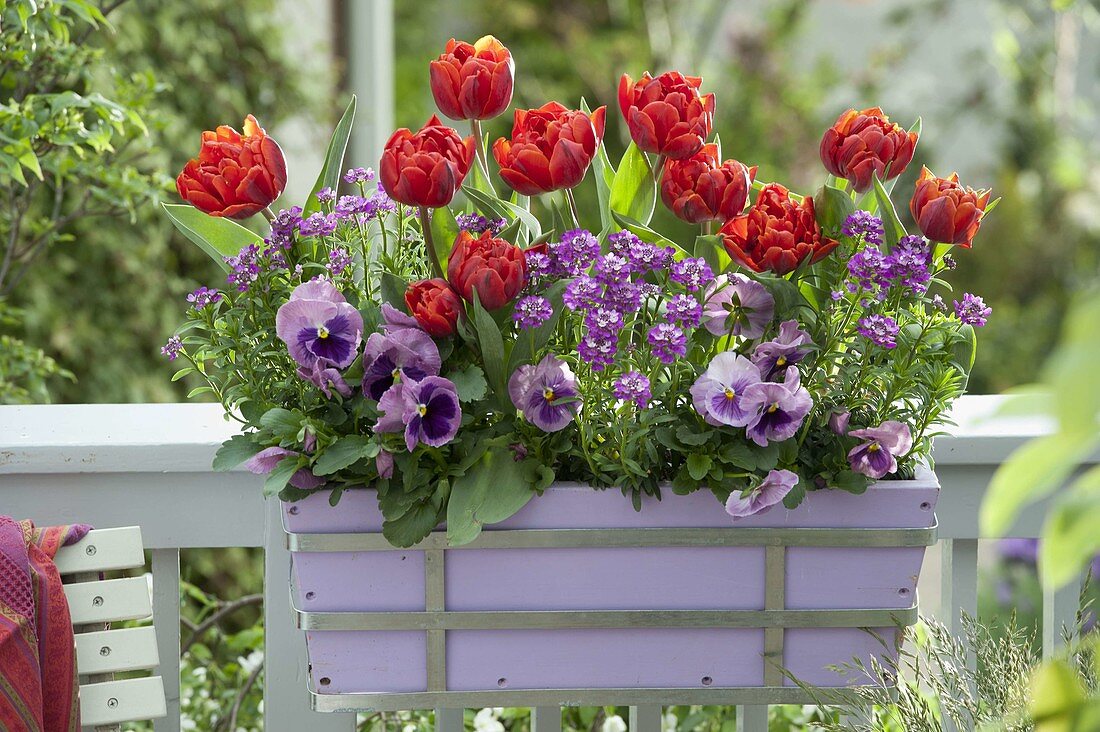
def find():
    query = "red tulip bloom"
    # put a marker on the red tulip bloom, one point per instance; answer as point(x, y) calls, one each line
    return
point(473, 81)
point(495, 268)
point(861, 144)
point(435, 306)
point(946, 211)
point(426, 168)
point(699, 188)
point(776, 234)
point(235, 175)
point(666, 115)
point(551, 148)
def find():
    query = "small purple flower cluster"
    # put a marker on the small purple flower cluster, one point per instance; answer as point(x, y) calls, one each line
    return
point(283, 227)
point(338, 262)
point(668, 342)
point(692, 273)
point(172, 348)
point(633, 386)
point(642, 256)
point(882, 330)
point(573, 254)
point(864, 224)
point(685, 310)
point(326, 195)
point(532, 311)
point(318, 224)
point(972, 310)
point(908, 266)
point(203, 297)
point(477, 224)
point(245, 267)
point(359, 175)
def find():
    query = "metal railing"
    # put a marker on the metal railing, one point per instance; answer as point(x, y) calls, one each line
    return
point(149, 465)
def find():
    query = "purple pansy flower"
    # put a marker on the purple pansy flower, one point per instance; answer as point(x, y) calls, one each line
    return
point(319, 326)
point(719, 393)
point(546, 393)
point(760, 499)
point(883, 445)
point(633, 386)
point(398, 355)
point(265, 461)
point(737, 305)
point(774, 356)
point(383, 463)
point(426, 410)
point(325, 378)
point(393, 319)
point(972, 310)
point(778, 409)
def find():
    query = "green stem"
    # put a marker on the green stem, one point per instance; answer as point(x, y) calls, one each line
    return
point(482, 158)
point(429, 243)
point(572, 207)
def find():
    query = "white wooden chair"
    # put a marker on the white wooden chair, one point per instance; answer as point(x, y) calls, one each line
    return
point(101, 652)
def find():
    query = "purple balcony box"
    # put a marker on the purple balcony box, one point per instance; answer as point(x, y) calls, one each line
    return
point(578, 598)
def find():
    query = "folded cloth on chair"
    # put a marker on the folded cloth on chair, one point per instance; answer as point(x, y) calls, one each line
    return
point(38, 684)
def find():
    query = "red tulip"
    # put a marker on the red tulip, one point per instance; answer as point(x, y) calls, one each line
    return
point(473, 81)
point(551, 148)
point(776, 234)
point(235, 175)
point(435, 306)
point(860, 144)
point(427, 168)
point(946, 211)
point(699, 188)
point(666, 115)
point(493, 267)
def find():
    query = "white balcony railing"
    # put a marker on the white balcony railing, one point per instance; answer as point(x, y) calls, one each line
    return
point(149, 465)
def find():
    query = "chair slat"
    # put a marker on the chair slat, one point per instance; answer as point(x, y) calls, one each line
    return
point(103, 550)
point(113, 651)
point(130, 700)
point(108, 601)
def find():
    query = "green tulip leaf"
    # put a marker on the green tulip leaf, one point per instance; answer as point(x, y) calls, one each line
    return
point(444, 232)
point(219, 237)
point(329, 176)
point(832, 206)
point(604, 173)
point(634, 188)
point(893, 229)
point(492, 206)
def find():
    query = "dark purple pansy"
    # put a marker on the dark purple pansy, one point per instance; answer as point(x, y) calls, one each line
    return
point(760, 499)
point(546, 393)
point(265, 461)
point(400, 354)
point(319, 326)
point(426, 410)
point(734, 304)
point(325, 378)
point(719, 393)
point(774, 356)
point(878, 454)
point(777, 408)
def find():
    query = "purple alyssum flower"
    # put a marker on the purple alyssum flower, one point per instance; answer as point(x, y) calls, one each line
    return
point(582, 293)
point(864, 224)
point(667, 342)
point(604, 321)
point(692, 273)
point(203, 297)
point(761, 498)
point(626, 297)
point(778, 409)
point(245, 267)
point(598, 349)
point(882, 330)
point(719, 393)
point(909, 264)
point(318, 325)
point(972, 310)
point(475, 223)
point(172, 348)
point(870, 271)
point(685, 310)
point(349, 206)
point(574, 253)
point(642, 256)
point(397, 356)
point(774, 356)
point(633, 386)
point(318, 224)
point(532, 311)
point(283, 227)
point(359, 175)
point(939, 304)
point(878, 454)
point(538, 264)
point(265, 461)
point(338, 262)
point(427, 411)
point(326, 195)
point(737, 305)
point(612, 268)
point(546, 393)
point(377, 206)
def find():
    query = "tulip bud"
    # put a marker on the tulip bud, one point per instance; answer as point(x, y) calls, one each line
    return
point(946, 211)
point(776, 234)
point(666, 115)
point(473, 81)
point(493, 267)
point(435, 306)
point(426, 168)
point(862, 144)
point(699, 188)
point(551, 148)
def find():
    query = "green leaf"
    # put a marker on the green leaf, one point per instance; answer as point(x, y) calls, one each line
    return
point(282, 422)
point(698, 465)
point(711, 248)
point(1070, 536)
point(634, 189)
point(444, 232)
point(470, 383)
point(329, 176)
point(492, 348)
point(278, 478)
point(492, 206)
point(412, 525)
point(393, 290)
point(217, 236)
point(893, 230)
point(832, 206)
point(493, 489)
point(234, 451)
point(344, 452)
point(1033, 471)
point(604, 173)
point(642, 231)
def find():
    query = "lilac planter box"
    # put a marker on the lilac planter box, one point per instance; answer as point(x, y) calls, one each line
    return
point(578, 597)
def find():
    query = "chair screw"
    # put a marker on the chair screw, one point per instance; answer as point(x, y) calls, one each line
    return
point(90, 550)
point(105, 651)
point(112, 703)
point(97, 601)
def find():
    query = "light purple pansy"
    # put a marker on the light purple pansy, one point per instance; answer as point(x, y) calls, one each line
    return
point(265, 461)
point(400, 354)
point(546, 393)
point(777, 408)
point(719, 393)
point(838, 422)
point(734, 304)
point(760, 499)
point(383, 463)
point(878, 454)
point(393, 319)
point(325, 378)
point(319, 326)
point(426, 410)
point(774, 356)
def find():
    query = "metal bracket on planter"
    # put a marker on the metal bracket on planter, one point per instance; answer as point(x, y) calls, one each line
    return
point(435, 620)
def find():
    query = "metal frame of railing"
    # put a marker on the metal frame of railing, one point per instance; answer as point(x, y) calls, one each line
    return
point(149, 465)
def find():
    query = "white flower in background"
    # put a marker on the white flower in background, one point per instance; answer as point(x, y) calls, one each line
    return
point(669, 722)
point(486, 720)
point(410, 727)
point(614, 723)
point(251, 662)
point(187, 724)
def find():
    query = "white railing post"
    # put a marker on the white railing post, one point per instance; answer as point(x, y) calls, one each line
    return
point(1060, 616)
point(370, 74)
point(546, 719)
point(166, 622)
point(449, 720)
point(752, 718)
point(646, 718)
